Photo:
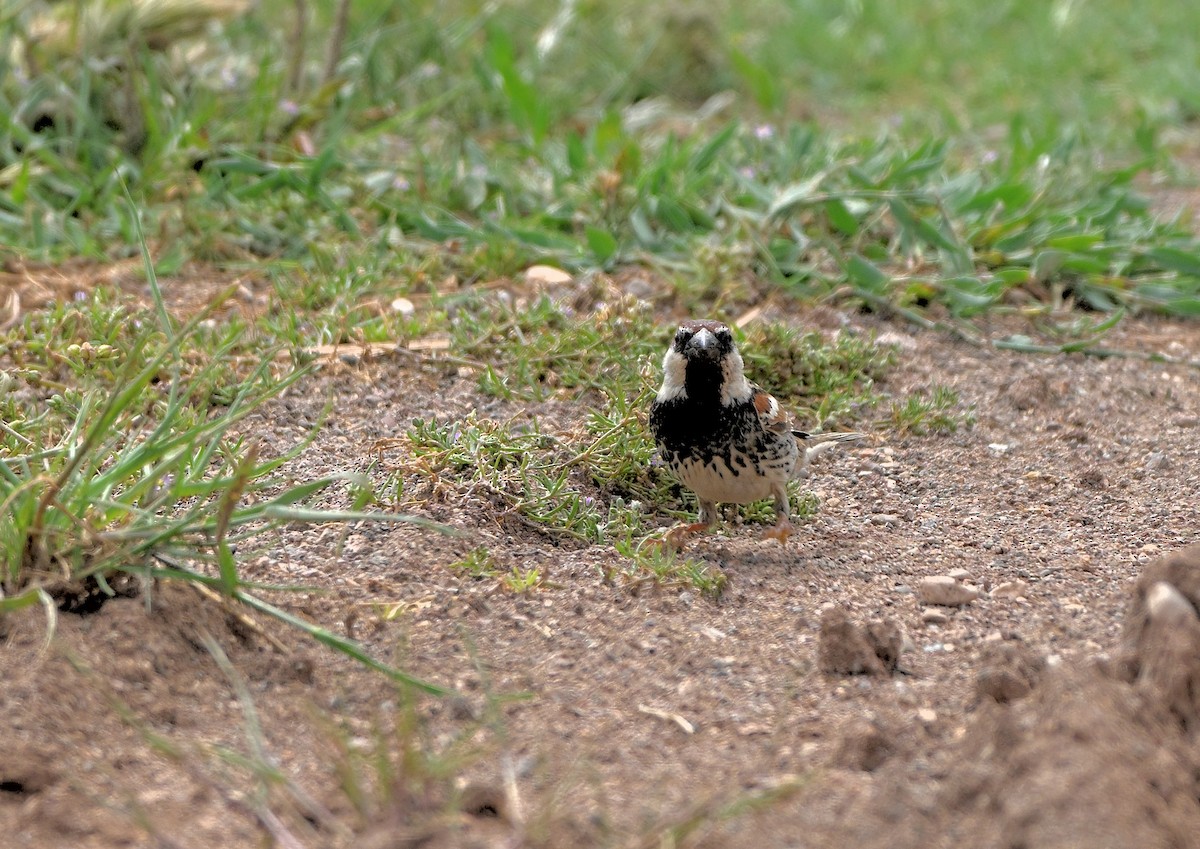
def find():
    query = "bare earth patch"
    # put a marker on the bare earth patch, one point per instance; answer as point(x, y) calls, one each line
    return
point(591, 714)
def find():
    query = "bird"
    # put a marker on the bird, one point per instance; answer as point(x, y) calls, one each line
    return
point(724, 438)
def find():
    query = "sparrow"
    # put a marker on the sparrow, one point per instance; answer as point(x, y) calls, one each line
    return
point(724, 438)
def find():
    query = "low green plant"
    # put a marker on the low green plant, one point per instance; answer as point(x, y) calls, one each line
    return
point(522, 581)
point(477, 564)
point(542, 349)
point(822, 382)
point(650, 563)
point(141, 468)
point(937, 411)
point(804, 505)
point(526, 470)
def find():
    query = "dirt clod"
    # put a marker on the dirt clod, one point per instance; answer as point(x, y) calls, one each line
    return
point(1010, 671)
point(1162, 635)
point(1027, 392)
point(864, 747)
point(849, 649)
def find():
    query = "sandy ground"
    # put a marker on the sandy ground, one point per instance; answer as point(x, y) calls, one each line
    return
point(596, 715)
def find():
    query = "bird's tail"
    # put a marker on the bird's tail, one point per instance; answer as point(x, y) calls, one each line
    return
point(816, 444)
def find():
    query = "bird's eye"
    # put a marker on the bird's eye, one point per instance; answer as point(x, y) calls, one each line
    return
point(682, 337)
point(724, 335)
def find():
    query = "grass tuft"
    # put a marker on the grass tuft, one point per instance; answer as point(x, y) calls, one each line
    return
point(138, 465)
point(660, 566)
point(939, 411)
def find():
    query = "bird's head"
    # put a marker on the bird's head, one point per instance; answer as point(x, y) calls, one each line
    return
point(703, 360)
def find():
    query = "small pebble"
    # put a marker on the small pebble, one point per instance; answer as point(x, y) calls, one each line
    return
point(1009, 589)
point(1156, 460)
point(546, 275)
point(933, 616)
point(944, 590)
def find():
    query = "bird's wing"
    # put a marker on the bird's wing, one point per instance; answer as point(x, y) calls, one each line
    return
point(771, 415)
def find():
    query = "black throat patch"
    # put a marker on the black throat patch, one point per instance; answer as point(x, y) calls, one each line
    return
point(702, 381)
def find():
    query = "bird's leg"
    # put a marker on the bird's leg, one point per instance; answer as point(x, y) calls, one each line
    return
point(678, 535)
point(783, 528)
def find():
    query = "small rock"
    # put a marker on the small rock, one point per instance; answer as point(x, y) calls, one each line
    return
point(885, 519)
point(944, 590)
point(933, 616)
point(546, 275)
point(959, 574)
point(927, 716)
point(1009, 589)
point(1156, 461)
point(998, 448)
point(403, 306)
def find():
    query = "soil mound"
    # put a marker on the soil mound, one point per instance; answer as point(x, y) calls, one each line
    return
point(1103, 754)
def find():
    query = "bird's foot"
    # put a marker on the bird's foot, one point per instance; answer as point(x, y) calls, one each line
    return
point(678, 535)
point(780, 531)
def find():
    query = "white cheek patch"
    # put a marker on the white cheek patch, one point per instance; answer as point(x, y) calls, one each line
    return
point(674, 376)
point(734, 386)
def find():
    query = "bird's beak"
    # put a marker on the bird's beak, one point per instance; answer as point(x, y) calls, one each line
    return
point(703, 343)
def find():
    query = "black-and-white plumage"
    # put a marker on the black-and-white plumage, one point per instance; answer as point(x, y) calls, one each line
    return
point(726, 439)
